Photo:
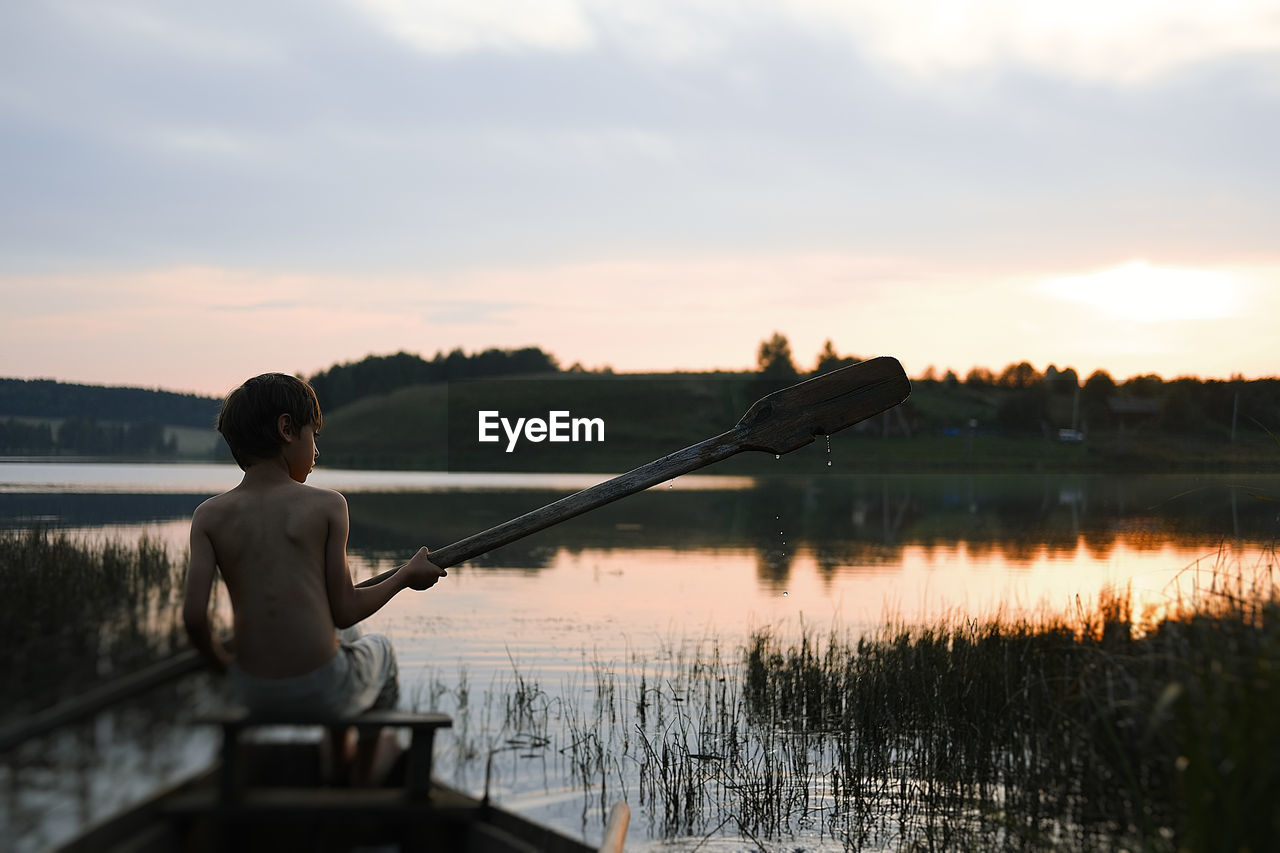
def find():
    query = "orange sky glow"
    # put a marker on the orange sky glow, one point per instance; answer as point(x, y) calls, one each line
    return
point(204, 330)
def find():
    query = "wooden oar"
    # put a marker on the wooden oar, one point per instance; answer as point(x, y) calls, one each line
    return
point(779, 423)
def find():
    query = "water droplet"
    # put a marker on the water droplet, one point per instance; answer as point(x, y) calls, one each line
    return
point(777, 456)
point(785, 594)
point(828, 463)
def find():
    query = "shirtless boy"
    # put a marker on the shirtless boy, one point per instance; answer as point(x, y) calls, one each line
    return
point(281, 548)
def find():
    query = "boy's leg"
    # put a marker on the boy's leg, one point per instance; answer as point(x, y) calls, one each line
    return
point(339, 755)
point(376, 755)
point(375, 678)
point(377, 751)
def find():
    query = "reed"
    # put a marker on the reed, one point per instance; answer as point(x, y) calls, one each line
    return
point(1075, 730)
point(73, 613)
point(1086, 729)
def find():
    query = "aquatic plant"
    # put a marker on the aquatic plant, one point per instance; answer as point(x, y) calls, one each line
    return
point(1075, 730)
point(1088, 729)
point(73, 613)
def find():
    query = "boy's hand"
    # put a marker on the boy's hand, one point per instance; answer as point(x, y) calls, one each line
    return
point(422, 573)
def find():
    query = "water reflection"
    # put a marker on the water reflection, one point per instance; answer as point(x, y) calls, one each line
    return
point(847, 521)
point(54, 785)
point(844, 521)
point(94, 509)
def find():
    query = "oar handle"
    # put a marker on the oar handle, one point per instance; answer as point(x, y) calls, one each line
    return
point(651, 474)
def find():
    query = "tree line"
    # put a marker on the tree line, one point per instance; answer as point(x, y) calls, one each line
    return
point(1022, 398)
point(1029, 398)
point(379, 374)
point(1018, 398)
point(85, 436)
point(48, 398)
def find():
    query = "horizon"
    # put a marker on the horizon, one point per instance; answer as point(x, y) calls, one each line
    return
point(803, 369)
point(196, 195)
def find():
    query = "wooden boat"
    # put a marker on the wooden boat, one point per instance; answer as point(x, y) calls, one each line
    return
point(270, 795)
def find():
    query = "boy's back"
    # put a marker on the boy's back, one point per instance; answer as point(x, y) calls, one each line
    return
point(268, 539)
point(281, 548)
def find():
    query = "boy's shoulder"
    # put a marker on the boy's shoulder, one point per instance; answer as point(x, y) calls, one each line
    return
point(211, 506)
point(321, 497)
point(316, 497)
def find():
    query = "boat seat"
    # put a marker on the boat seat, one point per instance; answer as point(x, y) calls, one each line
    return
point(234, 722)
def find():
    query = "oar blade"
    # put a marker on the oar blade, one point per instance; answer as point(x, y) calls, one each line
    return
point(789, 419)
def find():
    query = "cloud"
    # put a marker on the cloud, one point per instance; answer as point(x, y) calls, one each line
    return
point(319, 134)
point(651, 185)
point(1128, 42)
point(1142, 293)
point(468, 25)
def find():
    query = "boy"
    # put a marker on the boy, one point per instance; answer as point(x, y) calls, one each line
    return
point(281, 547)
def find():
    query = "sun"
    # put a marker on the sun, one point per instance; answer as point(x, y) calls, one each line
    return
point(1142, 293)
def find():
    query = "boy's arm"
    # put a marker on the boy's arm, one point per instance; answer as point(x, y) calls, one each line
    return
point(350, 604)
point(195, 606)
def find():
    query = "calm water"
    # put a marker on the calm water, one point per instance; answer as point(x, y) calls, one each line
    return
point(701, 560)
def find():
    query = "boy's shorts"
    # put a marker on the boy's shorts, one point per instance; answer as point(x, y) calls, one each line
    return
point(362, 676)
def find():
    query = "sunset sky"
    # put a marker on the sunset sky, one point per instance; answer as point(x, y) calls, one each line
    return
point(194, 193)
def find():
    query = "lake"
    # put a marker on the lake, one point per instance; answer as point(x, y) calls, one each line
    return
point(693, 565)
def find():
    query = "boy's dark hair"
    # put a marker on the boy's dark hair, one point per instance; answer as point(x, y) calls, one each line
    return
point(249, 415)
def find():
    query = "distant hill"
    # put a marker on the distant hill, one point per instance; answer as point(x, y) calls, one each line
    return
point(43, 417)
point(47, 398)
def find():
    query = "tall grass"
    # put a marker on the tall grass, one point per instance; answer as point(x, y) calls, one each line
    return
point(72, 613)
point(1081, 730)
point(1074, 730)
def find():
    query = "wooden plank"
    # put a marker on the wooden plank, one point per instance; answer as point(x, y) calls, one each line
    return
point(239, 717)
point(319, 802)
point(486, 838)
point(422, 727)
point(193, 816)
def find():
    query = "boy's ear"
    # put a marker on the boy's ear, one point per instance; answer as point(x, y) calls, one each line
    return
point(284, 426)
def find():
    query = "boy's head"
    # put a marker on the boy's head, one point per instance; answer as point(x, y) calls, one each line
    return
point(250, 416)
